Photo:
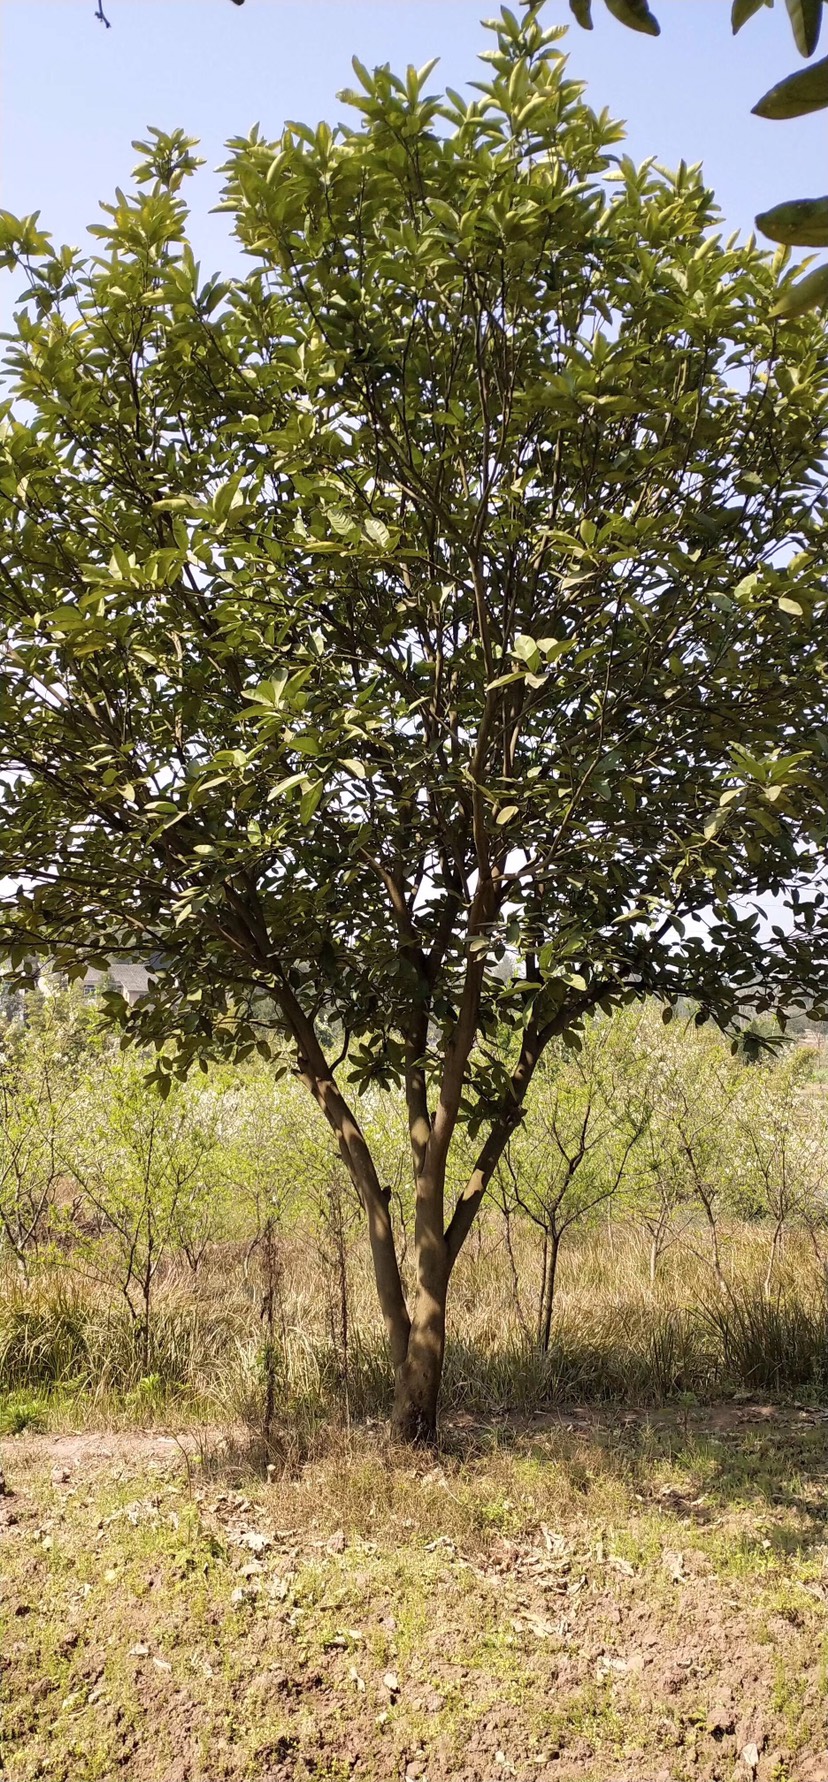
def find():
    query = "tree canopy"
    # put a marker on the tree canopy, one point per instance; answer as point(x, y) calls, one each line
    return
point(799, 222)
point(415, 637)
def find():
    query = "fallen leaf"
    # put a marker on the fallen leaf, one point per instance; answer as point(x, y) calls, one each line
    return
point(617, 1564)
point(254, 1541)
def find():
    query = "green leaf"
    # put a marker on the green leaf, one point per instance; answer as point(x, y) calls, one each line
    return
point(270, 693)
point(785, 604)
point(505, 816)
point(805, 91)
point(582, 10)
point(809, 293)
point(378, 532)
point(309, 802)
point(802, 222)
point(287, 785)
point(806, 18)
point(526, 650)
point(505, 680)
point(744, 10)
point(636, 14)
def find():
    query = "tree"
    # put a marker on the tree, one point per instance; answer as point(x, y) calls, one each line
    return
point(690, 1141)
point(799, 222)
point(142, 1164)
point(33, 1095)
point(673, 1088)
point(414, 637)
point(779, 1122)
point(572, 1155)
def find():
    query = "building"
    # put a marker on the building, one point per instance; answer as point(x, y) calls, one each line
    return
point(127, 975)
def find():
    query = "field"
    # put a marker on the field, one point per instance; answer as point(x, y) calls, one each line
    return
point(638, 1596)
point(290, 1322)
point(215, 1568)
point(221, 1570)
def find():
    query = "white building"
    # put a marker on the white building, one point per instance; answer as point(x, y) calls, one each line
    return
point(129, 977)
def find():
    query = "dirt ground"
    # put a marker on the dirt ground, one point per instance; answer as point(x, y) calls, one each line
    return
point(590, 1598)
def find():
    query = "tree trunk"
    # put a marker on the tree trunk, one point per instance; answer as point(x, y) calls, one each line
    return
point(418, 1377)
point(417, 1387)
point(766, 1285)
point(551, 1247)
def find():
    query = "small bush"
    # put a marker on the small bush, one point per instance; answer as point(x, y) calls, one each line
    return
point(22, 1411)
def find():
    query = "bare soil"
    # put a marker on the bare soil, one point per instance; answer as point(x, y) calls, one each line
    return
point(590, 1597)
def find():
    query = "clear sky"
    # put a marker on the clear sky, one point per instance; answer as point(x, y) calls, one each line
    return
point(74, 95)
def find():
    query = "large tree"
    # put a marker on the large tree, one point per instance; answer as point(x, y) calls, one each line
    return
point(415, 638)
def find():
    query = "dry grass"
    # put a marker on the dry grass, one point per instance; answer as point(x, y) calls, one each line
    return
point(580, 1604)
point(67, 1343)
point(576, 1598)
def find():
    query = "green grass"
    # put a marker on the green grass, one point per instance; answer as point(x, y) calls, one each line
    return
point(523, 1593)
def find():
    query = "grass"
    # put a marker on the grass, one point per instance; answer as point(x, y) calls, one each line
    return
point(579, 1601)
point(586, 1596)
point(67, 1342)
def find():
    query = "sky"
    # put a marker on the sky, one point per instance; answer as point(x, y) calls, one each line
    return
point(73, 94)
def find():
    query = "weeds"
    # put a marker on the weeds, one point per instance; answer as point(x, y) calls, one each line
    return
point(259, 1345)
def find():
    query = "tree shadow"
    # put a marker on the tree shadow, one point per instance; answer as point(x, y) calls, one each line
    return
point(721, 1458)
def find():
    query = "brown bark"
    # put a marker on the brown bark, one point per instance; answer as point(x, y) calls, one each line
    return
point(418, 1378)
point(551, 1250)
point(356, 1155)
point(417, 1341)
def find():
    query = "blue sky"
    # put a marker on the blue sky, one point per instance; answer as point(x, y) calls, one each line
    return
point(74, 94)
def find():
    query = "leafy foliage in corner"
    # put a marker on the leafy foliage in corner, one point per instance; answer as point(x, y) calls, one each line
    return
point(418, 635)
point(801, 222)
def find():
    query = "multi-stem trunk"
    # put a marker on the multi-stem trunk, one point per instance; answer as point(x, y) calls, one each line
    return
point(417, 1336)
